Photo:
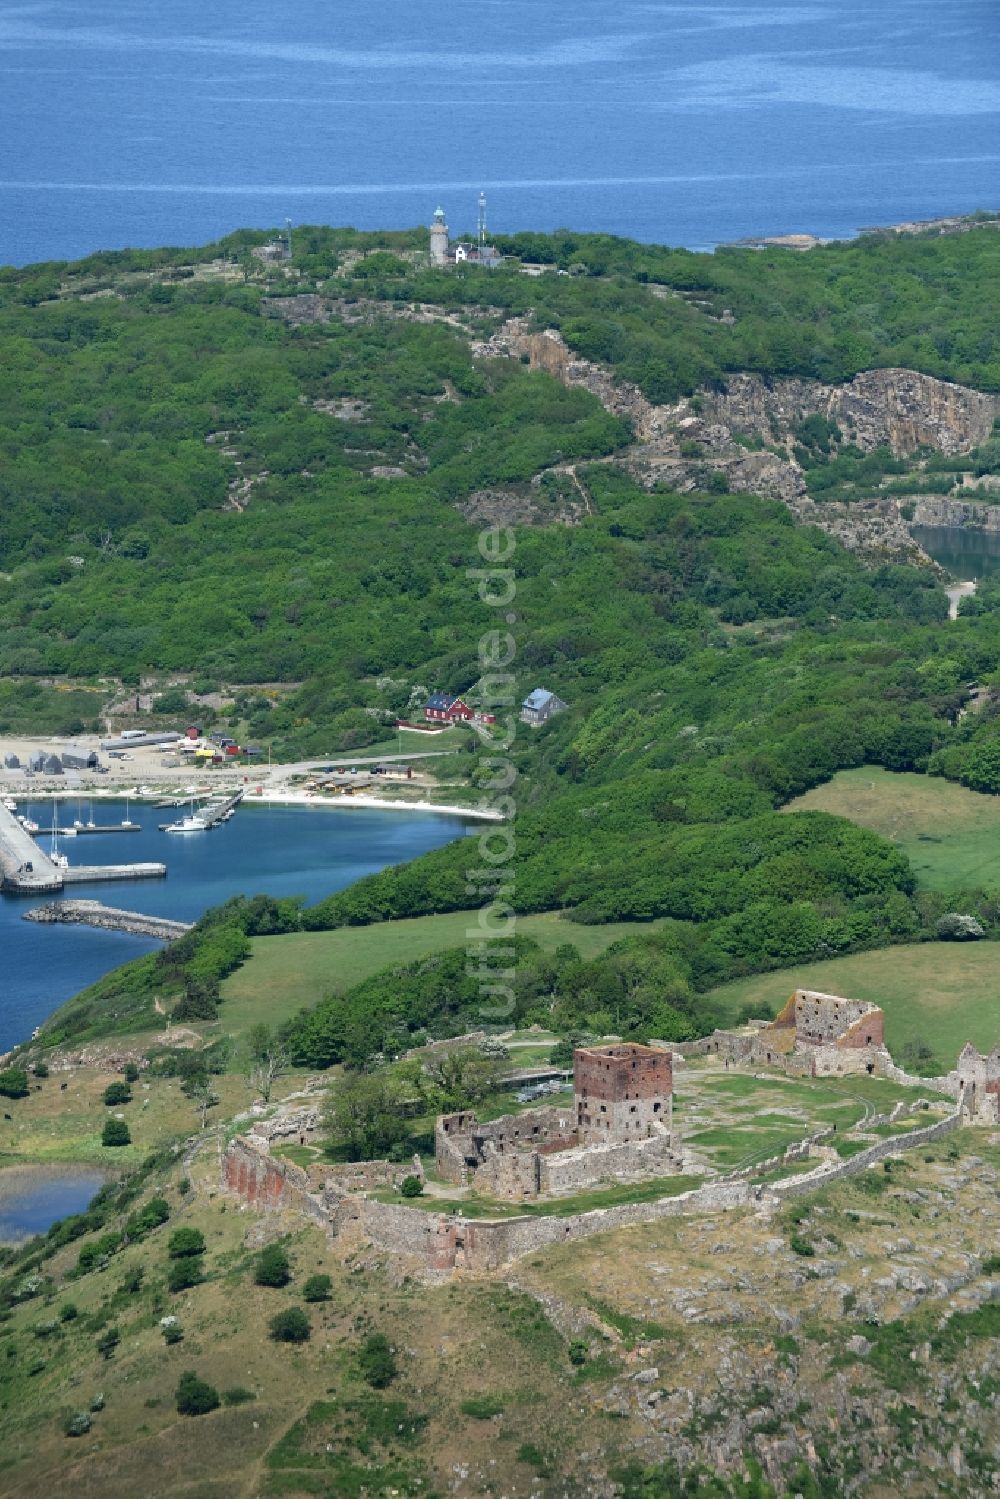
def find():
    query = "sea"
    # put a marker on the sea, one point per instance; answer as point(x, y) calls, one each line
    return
point(281, 851)
point(690, 123)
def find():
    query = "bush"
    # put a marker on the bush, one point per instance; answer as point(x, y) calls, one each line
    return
point(131, 1073)
point(291, 1326)
point(41, 1069)
point(802, 1246)
point(68, 1312)
point(116, 1093)
point(108, 1342)
point(578, 1351)
point(115, 1132)
point(185, 1273)
point(377, 1361)
point(14, 1082)
point(184, 1242)
point(195, 1397)
point(78, 1424)
point(411, 1186)
point(238, 1395)
point(272, 1267)
point(173, 1333)
point(317, 1288)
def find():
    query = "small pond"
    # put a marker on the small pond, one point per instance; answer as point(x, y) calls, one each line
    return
point(32, 1198)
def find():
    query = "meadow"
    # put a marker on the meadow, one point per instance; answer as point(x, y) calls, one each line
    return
point(288, 973)
point(950, 835)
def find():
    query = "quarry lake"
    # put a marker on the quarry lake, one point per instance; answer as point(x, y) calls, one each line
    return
point(686, 123)
point(281, 851)
point(968, 554)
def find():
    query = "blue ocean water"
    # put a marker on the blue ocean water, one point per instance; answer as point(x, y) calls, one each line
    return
point(283, 851)
point(126, 123)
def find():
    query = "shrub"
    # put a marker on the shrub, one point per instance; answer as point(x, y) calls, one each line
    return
point(802, 1246)
point(131, 1073)
point(377, 1361)
point(291, 1326)
point(195, 1397)
point(317, 1288)
point(108, 1342)
point(68, 1312)
point(41, 1069)
point(173, 1333)
point(238, 1395)
point(97, 1402)
point(482, 1407)
point(272, 1267)
point(411, 1186)
point(991, 1264)
point(185, 1273)
point(78, 1424)
point(184, 1242)
point(578, 1351)
point(115, 1132)
point(132, 1283)
point(116, 1093)
point(14, 1082)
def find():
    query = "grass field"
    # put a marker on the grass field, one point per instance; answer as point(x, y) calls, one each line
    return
point(286, 974)
point(943, 993)
point(950, 835)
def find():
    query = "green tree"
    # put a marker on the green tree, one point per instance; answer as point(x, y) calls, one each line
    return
point(194, 1396)
point(272, 1267)
point(117, 1093)
point(363, 1115)
point(184, 1242)
point(317, 1288)
point(377, 1361)
point(291, 1326)
point(115, 1133)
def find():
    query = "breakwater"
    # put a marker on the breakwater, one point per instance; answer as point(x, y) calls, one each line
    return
point(108, 918)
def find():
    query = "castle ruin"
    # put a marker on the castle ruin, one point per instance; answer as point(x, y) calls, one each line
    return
point(815, 1035)
point(618, 1127)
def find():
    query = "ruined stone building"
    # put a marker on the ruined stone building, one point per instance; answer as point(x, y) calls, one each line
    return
point(618, 1127)
point(816, 1034)
point(979, 1084)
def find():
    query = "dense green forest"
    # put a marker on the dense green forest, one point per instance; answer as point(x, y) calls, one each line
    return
point(187, 487)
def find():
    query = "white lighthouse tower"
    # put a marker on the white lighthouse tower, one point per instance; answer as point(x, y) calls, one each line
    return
point(439, 238)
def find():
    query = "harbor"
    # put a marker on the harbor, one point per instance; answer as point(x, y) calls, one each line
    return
point(26, 870)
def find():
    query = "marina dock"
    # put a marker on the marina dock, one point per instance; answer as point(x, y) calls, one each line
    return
point(26, 869)
point(217, 809)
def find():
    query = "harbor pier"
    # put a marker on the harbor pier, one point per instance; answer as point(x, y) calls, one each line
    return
point(24, 868)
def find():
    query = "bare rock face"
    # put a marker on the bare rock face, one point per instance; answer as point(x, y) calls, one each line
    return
point(895, 408)
point(936, 510)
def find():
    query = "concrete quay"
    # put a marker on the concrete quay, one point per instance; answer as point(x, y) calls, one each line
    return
point(108, 918)
point(18, 850)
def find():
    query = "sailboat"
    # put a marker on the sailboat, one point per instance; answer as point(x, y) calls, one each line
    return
point(55, 857)
point(127, 822)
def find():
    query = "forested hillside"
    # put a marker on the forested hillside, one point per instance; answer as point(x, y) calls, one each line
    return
point(204, 481)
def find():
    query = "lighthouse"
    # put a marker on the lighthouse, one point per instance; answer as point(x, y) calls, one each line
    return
point(439, 238)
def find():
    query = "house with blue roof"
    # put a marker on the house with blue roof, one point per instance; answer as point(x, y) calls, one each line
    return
point(539, 706)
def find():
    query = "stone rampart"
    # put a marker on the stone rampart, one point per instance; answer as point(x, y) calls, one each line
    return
point(261, 1180)
point(107, 918)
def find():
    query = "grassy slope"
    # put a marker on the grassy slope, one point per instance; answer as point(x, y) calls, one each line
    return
point(286, 974)
point(943, 993)
point(950, 835)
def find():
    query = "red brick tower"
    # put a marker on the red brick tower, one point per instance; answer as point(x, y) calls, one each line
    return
point(623, 1092)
